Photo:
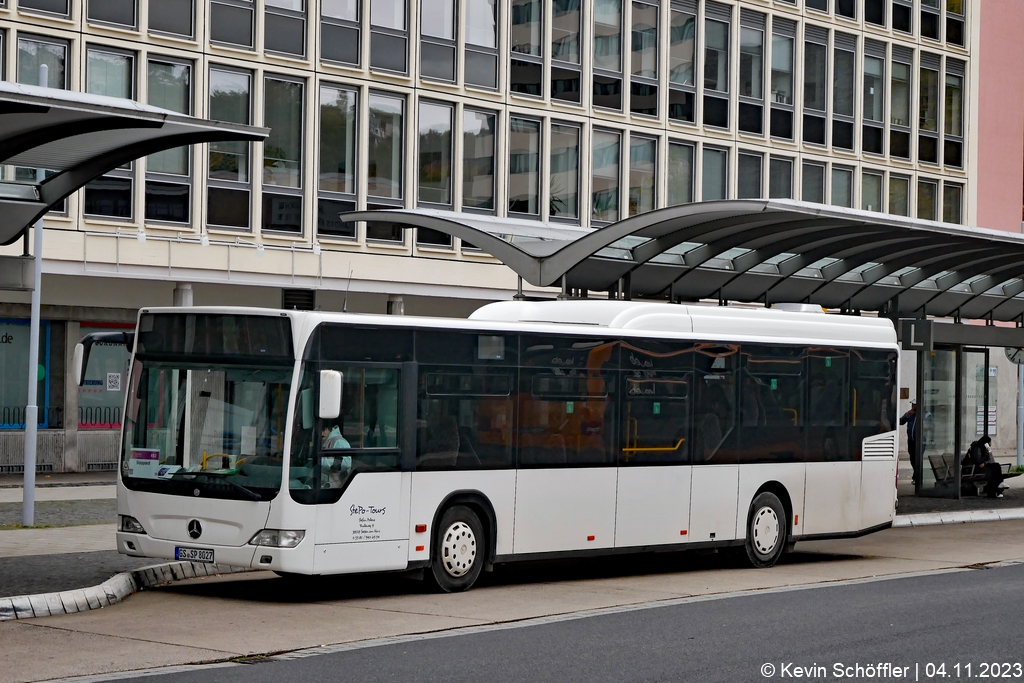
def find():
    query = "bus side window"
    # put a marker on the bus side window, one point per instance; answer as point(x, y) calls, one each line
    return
point(465, 417)
point(714, 418)
point(873, 395)
point(828, 404)
point(772, 410)
point(657, 385)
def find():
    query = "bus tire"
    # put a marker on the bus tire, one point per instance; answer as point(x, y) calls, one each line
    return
point(766, 530)
point(459, 550)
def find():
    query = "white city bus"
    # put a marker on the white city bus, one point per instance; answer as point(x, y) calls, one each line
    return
point(319, 443)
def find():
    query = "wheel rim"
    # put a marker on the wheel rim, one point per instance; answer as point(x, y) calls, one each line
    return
point(458, 549)
point(765, 530)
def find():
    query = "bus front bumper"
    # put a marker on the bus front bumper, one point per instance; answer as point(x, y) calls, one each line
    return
point(296, 560)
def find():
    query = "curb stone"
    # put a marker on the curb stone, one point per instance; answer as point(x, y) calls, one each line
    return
point(110, 592)
point(958, 517)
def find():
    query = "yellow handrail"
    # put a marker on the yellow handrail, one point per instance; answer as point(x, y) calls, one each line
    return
point(655, 449)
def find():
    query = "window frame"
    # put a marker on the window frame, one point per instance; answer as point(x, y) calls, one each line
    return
point(172, 178)
point(335, 195)
point(247, 185)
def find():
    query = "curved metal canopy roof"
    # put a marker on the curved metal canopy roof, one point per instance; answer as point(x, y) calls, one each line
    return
point(768, 251)
point(78, 137)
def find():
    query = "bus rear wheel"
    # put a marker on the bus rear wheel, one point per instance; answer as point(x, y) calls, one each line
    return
point(459, 552)
point(766, 530)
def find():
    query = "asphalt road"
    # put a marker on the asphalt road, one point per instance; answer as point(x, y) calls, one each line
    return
point(62, 513)
point(30, 574)
point(968, 617)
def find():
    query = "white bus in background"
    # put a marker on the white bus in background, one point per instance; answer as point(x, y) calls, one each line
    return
point(318, 443)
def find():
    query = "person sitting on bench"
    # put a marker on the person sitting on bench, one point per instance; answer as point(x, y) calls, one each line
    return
point(980, 455)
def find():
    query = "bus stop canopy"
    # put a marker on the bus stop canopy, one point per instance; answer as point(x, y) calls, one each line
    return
point(764, 251)
point(77, 137)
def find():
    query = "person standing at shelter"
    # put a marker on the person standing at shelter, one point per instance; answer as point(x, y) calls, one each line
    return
point(910, 419)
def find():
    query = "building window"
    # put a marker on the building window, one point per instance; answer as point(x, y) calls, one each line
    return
point(435, 154)
point(820, 5)
point(643, 163)
point(176, 17)
point(782, 87)
point(385, 152)
point(282, 154)
point(13, 361)
point(780, 178)
point(337, 175)
point(682, 46)
point(815, 70)
point(437, 39)
point(61, 7)
point(680, 173)
point(751, 74)
point(955, 25)
point(231, 22)
point(874, 12)
point(33, 51)
point(168, 181)
point(479, 140)
point(930, 19)
point(284, 27)
point(871, 191)
point(715, 174)
point(608, 54)
point(118, 12)
point(716, 73)
point(843, 89)
point(643, 84)
point(953, 122)
point(842, 187)
point(524, 166)
point(111, 74)
point(605, 183)
point(952, 198)
point(340, 31)
point(388, 38)
point(927, 191)
point(564, 169)
point(846, 8)
point(899, 115)
point(748, 173)
point(903, 16)
point(899, 195)
point(566, 77)
point(928, 110)
point(481, 53)
point(526, 67)
point(229, 180)
point(874, 104)
point(813, 189)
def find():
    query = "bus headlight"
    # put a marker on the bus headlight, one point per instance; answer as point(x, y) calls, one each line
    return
point(278, 538)
point(130, 525)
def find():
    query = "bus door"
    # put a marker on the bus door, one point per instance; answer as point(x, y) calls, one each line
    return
point(362, 510)
point(653, 498)
point(567, 444)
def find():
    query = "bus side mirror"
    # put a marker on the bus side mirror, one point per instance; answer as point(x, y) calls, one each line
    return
point(79, 363)
point(82, 349)
point(330, 394)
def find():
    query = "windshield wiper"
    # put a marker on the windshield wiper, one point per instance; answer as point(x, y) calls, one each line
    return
point(248, 493)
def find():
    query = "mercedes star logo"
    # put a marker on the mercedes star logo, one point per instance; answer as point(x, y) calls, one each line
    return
point(195, 529)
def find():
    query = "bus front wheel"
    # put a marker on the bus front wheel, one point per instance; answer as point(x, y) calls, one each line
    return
point(766, 530)
point(459, 552)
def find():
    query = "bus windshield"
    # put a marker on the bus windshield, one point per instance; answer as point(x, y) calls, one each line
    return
point(205, 429)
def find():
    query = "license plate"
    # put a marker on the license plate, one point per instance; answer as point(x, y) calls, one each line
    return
point(194, 555)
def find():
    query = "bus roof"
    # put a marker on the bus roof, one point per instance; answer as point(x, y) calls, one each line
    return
point(799, 324)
